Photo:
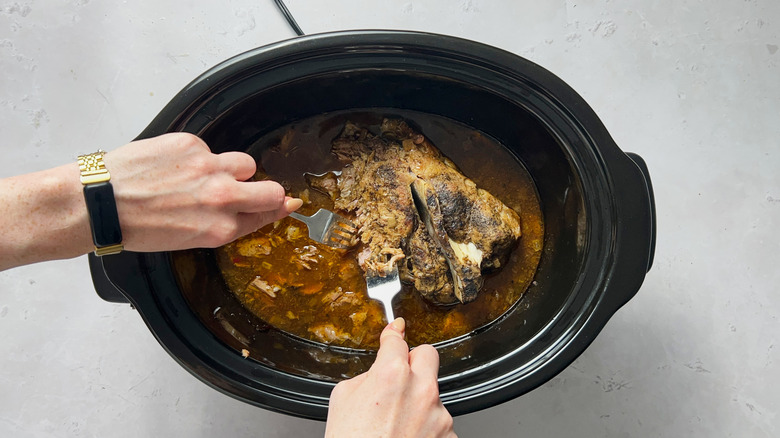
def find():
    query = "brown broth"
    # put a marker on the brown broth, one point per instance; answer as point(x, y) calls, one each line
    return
point(325, 299)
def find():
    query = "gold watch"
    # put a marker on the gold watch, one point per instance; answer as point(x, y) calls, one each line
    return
point(101, 204)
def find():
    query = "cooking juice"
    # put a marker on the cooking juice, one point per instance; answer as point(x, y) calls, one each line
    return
point(316, 292)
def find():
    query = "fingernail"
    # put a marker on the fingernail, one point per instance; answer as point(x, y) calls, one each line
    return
point(292, 204)
point(398, 324)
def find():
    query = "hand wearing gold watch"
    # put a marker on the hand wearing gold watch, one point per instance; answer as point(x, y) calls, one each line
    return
point(171, 192)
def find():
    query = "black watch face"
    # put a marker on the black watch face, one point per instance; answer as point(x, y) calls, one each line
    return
point(103, 216)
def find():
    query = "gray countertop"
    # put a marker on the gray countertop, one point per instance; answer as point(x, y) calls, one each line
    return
point(690, 86)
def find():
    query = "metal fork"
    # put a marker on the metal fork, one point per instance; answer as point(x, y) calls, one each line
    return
point(384, 289)
point(329, 228)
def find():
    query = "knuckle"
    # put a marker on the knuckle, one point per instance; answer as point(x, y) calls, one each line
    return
point(279, 193)
point(217, 193)
point(430, 390)
point(426, 349)
point(394, 373)
point(341, 391)
point(247, 161)
point(275, 192)
point(186, 140)
point(177, 143)
point(388, 336)
point(201, 164)
point(446, 422)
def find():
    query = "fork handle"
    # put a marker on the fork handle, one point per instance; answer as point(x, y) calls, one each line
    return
point(300, 217)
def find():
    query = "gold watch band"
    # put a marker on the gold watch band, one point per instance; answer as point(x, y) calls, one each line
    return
point(93, 169)
point(109, 250)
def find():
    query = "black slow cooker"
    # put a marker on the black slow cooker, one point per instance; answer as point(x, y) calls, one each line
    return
point(597, 203)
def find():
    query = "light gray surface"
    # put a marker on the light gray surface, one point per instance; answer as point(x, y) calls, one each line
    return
point(691, 86)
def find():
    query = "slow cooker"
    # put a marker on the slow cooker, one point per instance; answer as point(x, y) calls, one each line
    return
point(597, 203)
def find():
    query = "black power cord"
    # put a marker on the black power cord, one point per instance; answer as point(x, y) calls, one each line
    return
point(288, 16)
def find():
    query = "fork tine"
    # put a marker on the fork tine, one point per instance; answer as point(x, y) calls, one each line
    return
point(329, 228)
point(336, 243)
point(344, 223)
point(342, 227)
point(342, 232)
point(340, 237)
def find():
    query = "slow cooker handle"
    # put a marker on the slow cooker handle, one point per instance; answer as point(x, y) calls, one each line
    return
point(646, 175)
point(116, 276)
point(635, 242)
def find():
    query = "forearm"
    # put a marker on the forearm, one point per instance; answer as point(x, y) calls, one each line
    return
point(44, 217)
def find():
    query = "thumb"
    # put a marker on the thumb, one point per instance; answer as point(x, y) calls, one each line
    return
point(391, 343)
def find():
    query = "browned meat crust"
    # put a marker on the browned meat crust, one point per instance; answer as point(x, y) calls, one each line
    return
point(454, 232)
